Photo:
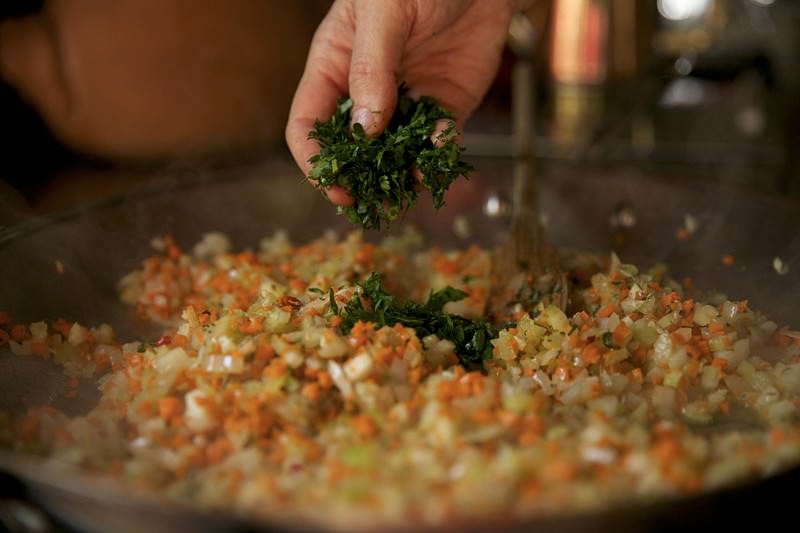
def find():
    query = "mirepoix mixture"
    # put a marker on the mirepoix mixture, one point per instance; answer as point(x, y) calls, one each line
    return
point(256, 399)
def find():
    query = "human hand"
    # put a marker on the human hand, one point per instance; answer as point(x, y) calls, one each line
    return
point(449, 50)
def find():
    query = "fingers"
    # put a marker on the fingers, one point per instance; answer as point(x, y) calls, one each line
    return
point(315, 99)
point(339, 196)
point(439, 137)
point(459, 102)
point(366, 71)
point(323, 82)
point(382, 29)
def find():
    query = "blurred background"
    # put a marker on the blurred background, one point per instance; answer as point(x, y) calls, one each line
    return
point(96, 94)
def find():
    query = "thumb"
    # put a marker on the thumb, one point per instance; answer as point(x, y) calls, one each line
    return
point(378, 45)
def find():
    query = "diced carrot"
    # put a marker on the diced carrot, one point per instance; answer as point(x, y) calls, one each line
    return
point(620, 334)
point(702, 345)
point(363, 425)
point(145, 409)
point(335, 470)
point(311, 391)
point(526, 438)
point(169, 407)
point(445, 390)
point(40, 348)
point(777, 436)
point(573, 340)
point(62, 326)
point(134, 385)
point(666, 300)
point(728, 260)
point(445, 266)
point(218, 450)
point(560, 469)
point(677, 339)
point(275, 369)
point(324, 379)
point(180, 340)
point(720, 362)
point(692, 368)
point(666, 450)
point(591, 353)
point(5, 318)
point(298, 285)
point(173, 252)
point(264, 352)
point(482, 416)
point(508, 418)
point(606, 311)
point(102, 361)
point(19, 333)
point(364, 254)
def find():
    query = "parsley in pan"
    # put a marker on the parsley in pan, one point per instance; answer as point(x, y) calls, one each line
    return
point(373, 304)
point(377, 171)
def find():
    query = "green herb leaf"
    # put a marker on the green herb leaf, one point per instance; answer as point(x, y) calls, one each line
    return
point(471, 337)
point(332, 301)
point(608, 340)
point(377, 172)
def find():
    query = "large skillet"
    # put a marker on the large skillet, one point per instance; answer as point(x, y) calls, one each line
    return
point(624, 211)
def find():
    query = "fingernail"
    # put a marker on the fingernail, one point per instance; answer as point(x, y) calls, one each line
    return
point(363, 116)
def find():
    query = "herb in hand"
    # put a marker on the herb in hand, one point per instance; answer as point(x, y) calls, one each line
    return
point(471, 337)
point(377, 171)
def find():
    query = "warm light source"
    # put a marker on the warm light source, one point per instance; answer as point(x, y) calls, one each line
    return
point(678, 10)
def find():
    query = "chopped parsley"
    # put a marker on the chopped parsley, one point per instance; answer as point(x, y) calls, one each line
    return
point(376, 172)
point(471, 337)
point(608, 340)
